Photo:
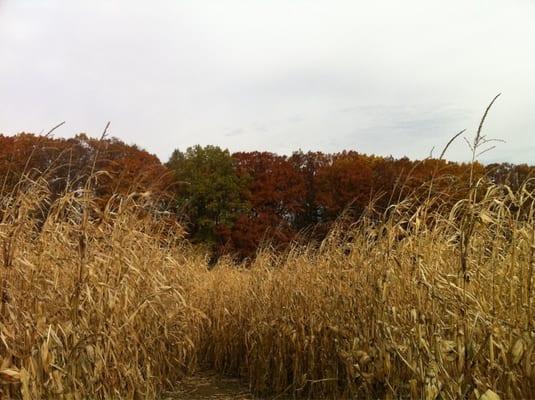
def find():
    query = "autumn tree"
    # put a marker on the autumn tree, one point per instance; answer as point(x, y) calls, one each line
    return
point(346, 183)
point(509, 174)
point(127, 168)
point(276, 192)
point(107, 166)
point(307, 165)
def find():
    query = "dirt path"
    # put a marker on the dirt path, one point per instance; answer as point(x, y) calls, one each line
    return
point(208, 385)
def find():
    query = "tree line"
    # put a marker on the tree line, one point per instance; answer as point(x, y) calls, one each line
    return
point(234, 203)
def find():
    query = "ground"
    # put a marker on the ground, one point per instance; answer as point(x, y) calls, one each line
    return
point(209, 385)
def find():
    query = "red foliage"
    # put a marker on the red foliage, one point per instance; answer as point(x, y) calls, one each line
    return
point(275, 193)
point(345, 183)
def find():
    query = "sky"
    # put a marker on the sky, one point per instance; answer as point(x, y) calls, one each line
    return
point(380, 77)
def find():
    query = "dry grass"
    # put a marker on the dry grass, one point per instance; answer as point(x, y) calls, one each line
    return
point(423, 306)
point(425, 302)
point(92, 307)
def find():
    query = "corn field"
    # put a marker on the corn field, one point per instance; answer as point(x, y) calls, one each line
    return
point(425, 301)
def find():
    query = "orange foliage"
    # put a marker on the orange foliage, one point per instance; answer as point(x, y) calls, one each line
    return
point(67, 164)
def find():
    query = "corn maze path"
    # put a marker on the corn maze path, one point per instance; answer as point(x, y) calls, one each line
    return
point(208, 385)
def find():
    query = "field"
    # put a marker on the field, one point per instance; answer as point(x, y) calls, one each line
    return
point(425, 301)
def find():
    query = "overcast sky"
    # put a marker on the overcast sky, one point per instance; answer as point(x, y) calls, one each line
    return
point(383, 77)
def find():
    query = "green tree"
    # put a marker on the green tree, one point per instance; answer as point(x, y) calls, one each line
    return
point(209, 192)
